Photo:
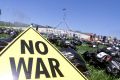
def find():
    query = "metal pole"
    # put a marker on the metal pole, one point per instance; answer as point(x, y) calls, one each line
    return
point(0, 14)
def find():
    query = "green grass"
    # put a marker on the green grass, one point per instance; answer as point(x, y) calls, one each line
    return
point(84, 48)
point(4, 35)
point(97, 74)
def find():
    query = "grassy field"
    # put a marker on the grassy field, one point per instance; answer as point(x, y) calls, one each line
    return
point(4, 36)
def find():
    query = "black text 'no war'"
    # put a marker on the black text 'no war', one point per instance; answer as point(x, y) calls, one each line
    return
point(41, 68)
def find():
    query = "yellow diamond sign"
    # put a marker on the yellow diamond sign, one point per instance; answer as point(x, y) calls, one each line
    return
point(32, 57)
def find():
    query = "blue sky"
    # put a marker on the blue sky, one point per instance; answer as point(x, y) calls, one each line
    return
point(92, 16)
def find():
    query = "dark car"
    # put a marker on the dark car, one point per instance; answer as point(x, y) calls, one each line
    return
point(75, 58)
